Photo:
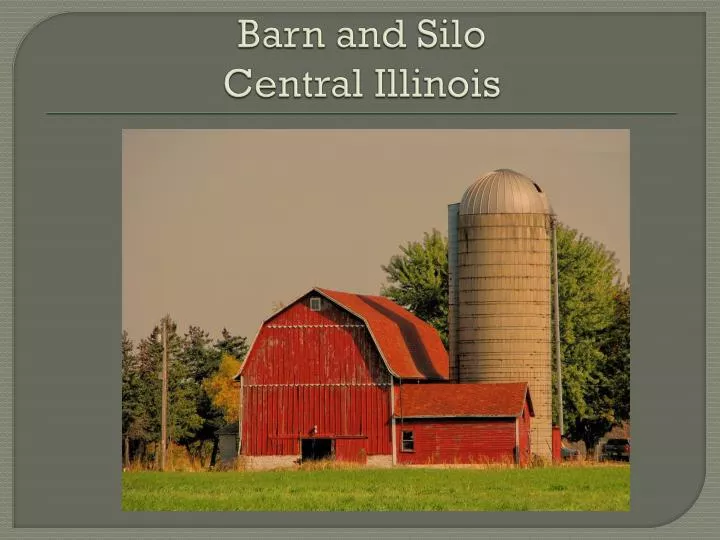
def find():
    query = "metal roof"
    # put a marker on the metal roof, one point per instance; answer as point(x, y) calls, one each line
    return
point(485, 400)
point(410, 347)
point(504, 191)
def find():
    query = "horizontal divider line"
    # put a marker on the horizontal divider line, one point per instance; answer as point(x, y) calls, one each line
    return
point(361, 113)
point(305, 385)
point(316, 326)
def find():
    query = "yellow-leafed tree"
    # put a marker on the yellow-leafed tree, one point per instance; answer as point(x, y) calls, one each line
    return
point(223, 391)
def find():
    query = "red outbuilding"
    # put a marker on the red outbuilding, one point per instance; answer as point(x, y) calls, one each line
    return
point(358, 378)
point(463, 423)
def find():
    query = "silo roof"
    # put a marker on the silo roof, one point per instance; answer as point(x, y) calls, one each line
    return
point(504, 191)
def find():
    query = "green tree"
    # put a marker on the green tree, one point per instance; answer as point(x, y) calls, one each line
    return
point(183, 418)
point(141, 395)
point(133, 414)
point(418, 280)
point(198, 353)
point(129, 399)
point(200, 360)
point(193, 417)
point(144, 390)
point(617, 353)
point(235, 346)
point(588, 298)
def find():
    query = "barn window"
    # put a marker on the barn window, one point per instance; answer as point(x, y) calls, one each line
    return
point(315, 304)
point(408, 441)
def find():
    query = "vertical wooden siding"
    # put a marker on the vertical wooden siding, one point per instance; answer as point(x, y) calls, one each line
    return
point(351, 450)
point(440, 440)
point(317, 369)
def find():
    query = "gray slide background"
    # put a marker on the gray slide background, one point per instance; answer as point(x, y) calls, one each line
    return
point(67, 259)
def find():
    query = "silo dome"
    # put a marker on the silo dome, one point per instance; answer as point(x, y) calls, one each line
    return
point(504, 191)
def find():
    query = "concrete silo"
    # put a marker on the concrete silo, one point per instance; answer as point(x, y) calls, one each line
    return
point(500, 290)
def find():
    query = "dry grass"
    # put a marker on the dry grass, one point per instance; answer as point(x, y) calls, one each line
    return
point(177, 461)
point(592, 464)
point(478, 463)
point(330, 465)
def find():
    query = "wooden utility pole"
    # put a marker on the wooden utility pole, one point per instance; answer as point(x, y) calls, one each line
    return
point(558, 355)
point(163, 420)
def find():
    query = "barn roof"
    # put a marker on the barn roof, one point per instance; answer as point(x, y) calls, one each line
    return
point(410, 347)
point(437, 400)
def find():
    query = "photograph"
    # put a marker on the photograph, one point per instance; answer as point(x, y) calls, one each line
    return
point(375, 320)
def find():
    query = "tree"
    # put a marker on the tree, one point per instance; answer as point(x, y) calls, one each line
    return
point(141, 396)
point(193, 417)
point(235, 346)
point(223, 390)
point(200, 360)
point(183, 418)
point(142, 392)
point(131, 398)
point(617, 353)
point(588, 294)
point(418, 280)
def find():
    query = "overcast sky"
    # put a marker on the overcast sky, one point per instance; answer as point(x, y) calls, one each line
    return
point(219, 224)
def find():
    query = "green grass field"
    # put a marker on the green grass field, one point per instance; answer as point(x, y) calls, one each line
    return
point(602, 488)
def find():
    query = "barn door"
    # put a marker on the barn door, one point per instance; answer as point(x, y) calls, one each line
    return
point(316, 449)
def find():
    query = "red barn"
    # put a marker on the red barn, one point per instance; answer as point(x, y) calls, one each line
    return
point(358, 378)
